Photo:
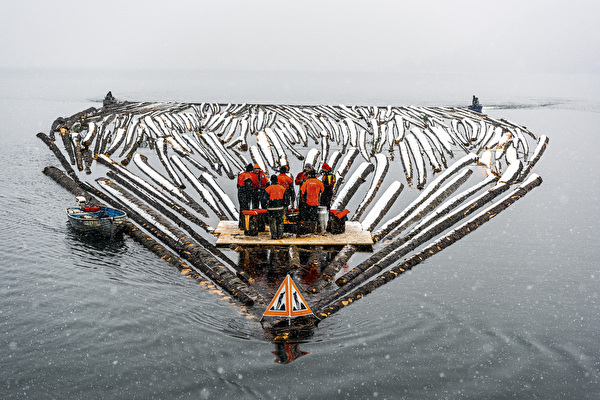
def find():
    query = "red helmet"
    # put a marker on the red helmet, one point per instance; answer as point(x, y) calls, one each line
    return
point(326, 167)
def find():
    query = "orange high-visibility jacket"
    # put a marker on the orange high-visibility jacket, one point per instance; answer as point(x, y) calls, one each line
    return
point(310, 190)
point(301, 177)
point(242, 177)
point(284, 180)
point(275, 192)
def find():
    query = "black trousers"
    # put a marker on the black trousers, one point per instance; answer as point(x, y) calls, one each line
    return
point(311, 213)
point(276, 222)
point(326, 198)
point(245, 199)
point(259, 198)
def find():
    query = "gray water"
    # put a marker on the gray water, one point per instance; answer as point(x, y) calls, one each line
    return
point(510, 311)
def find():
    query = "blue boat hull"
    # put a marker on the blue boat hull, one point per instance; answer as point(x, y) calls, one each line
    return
point(476, 107)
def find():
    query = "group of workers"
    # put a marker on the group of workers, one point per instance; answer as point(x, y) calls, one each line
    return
point(277, 194)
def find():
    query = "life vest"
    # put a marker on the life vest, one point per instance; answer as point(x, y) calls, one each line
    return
point(329, 180)
point(258, 181)
point(91, 208)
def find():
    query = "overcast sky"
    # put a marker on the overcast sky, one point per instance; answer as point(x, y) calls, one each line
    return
point(307, 35)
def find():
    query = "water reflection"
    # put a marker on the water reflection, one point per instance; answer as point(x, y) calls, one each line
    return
point(287, 352)
point(94, 241)
point(269, 266)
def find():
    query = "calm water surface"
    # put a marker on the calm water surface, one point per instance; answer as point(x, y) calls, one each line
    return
point(511, 311)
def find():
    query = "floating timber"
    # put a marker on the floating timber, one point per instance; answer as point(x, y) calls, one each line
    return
point(415, 180)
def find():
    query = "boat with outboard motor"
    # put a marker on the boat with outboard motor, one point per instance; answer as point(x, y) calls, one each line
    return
point(475, 105)
point(96, 219)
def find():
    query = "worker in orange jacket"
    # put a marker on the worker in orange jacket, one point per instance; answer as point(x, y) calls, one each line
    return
point(259, 184)
point(287, 182)
point(275, 209)
point(310, 192)
point(300, 179)
point(244, 192)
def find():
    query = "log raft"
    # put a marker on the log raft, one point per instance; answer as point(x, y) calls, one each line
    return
point(204, 140)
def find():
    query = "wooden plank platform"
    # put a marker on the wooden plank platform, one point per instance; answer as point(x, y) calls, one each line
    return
point(229, 234)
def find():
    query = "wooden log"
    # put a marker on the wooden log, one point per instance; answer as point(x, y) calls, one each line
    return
point(161, 151)
point(415, 150)
point(344, 167)
point(405, 160)
point(138, 235)
point(325, 310)
point(104, 140)
point(99, 139)
point(87, 159)
point(137, 181)
point(197, 255)
point(186, 248)
point(182, 211)
point(198, 238)
point(294, 261)
point(227, 204)
point(142, 162)
point(449, 206)
point(68, 183)
point(118, 140)
point(131, 135)
point(379, 176)
point(204, 193)
point(77, 152)
point(357, 179)
point(428, 192)
point(404, 244)
point(329, 272)
point(125, 182)
point(134, 148)
point(63, 161)
point(426, 207)
point(65, 136)
point(537, 154)
point(122, 171)
point(382, 206)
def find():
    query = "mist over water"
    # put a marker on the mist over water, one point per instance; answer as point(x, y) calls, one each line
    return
point(510, 311)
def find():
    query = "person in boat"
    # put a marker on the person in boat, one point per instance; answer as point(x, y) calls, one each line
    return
point(287, 182)
point(475, 101)
point(275, 210)
point(259, 184)
point(109, 99)
point(300, 179)
point(328, 183)
point(244, 192)
point(310, 192)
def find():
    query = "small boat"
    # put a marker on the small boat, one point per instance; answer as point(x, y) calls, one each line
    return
point(96, 219)
point(475, 105)
point(109, 100)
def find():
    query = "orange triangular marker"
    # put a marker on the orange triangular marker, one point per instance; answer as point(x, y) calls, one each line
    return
point(288, 301)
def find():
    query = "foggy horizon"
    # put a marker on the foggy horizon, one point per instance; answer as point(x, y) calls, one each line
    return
point(312, 36)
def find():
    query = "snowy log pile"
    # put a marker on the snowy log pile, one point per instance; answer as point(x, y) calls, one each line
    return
point(173, 165)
